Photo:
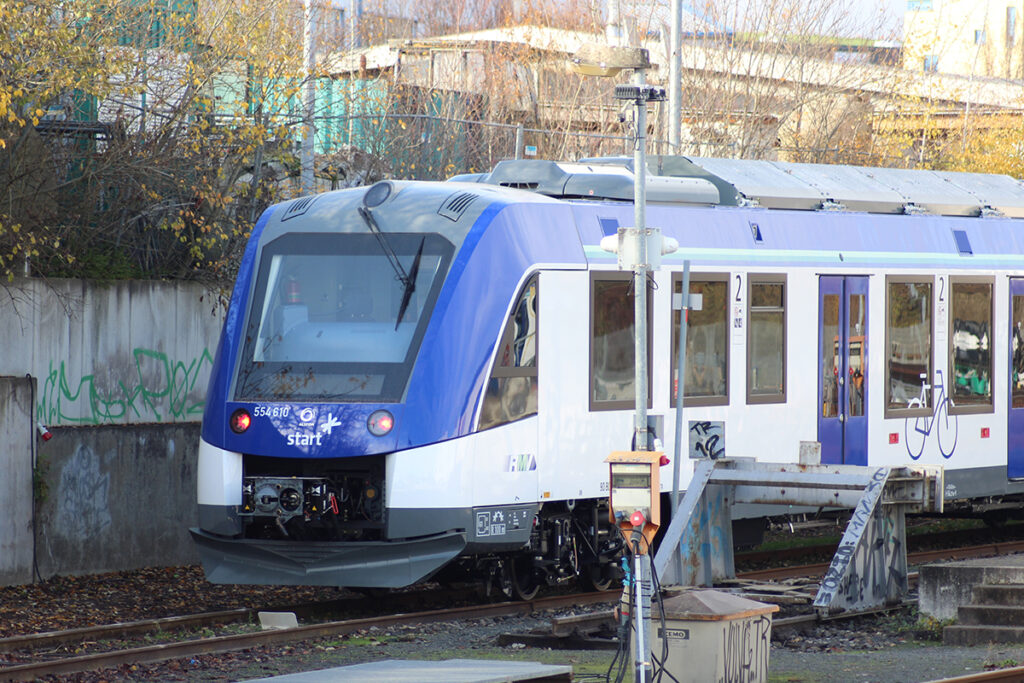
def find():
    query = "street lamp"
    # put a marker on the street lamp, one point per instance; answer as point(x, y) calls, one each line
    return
point(639, 248)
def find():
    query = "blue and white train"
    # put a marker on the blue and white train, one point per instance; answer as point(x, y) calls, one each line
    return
point(419, 377)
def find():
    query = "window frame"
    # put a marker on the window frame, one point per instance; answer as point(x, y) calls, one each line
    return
point(699, 401)
point(612, 276)
point(767, 279)
point(925, 411)
point(499, 371)
point(975, 409)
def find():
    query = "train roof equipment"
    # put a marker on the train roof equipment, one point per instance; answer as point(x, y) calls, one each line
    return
point(768, 184)
point(608, 181)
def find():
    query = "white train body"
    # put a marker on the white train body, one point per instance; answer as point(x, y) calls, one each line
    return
point(888, 329)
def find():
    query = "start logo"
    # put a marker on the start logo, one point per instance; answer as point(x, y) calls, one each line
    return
point(300, 439)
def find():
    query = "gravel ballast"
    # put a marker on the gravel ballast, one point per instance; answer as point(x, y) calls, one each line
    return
point(884, 648)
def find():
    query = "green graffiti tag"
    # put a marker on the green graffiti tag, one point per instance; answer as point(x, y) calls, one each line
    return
point(159, 389)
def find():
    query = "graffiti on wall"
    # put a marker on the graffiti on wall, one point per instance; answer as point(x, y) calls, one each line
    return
point(745, 648)
point(707, 439)
point(82, 507)
point(157, 388)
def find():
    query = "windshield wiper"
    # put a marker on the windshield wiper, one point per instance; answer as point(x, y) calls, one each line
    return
point(408, 280)
point(410, 286)
point(403, 277)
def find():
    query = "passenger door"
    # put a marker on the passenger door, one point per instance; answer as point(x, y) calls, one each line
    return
point(1015, 428)
point(842, 369)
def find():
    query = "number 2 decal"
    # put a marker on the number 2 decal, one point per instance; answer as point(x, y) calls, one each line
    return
point(739, 288)
point(942, 289)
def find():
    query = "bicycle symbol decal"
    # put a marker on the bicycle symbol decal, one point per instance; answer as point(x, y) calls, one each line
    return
point(944, 424)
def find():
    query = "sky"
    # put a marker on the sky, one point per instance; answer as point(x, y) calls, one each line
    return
point(878, 19)
point(893, 10)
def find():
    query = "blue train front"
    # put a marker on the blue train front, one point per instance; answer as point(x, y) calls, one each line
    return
point(356, 349)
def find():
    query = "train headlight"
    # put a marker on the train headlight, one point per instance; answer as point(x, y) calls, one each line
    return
point(380, 423)
point(240, 420)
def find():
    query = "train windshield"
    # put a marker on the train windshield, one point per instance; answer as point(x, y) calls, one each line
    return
point(335, 317)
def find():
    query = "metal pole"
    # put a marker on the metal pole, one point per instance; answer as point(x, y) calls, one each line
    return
point(642, 599)
point(308, 125)
point(519, 141)
point(675, 78)
point(680, 393)
point(640, 268)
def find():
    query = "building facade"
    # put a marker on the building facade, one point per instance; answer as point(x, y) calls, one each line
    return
point(967, 37)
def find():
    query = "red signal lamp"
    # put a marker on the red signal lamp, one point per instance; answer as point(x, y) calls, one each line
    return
point(380, 423)
point(637, 519)
point(240, 421)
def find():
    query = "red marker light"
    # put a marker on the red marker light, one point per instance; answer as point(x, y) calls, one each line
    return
point(663, 460)
point(240, 420)
point(637, 518)
point(380, 423)
point(894, 437)
point(985, 432)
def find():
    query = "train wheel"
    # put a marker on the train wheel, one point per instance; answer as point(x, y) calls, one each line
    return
point(596, 577)
point(521, 583)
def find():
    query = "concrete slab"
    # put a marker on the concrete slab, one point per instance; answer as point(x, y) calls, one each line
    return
point(942, 588)
point(448, 671)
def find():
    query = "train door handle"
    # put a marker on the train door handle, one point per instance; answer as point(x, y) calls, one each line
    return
point(841, 380)
point(842, 417)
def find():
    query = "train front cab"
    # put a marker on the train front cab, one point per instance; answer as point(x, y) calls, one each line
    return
point(329, 335)
point(297, 492)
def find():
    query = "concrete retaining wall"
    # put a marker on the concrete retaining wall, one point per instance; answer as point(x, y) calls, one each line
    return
point(16, 441)
point(117, 498)
point(121, 353)
point(118, 372)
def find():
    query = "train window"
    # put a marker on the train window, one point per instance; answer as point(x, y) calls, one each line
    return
point(511, 392)
point(908, 343)
point(707, 341)
point(766, 339)
point(1017, 348)
point(612, 357)
point(970, 345)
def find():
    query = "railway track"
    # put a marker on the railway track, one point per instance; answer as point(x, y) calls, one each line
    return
point(243, 641)
point(1012, 675)
point(914, 558)
point(19, 645)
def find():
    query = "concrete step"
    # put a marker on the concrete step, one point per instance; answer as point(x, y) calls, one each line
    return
point(980, 635)
point(998, 594)
point(944, 587)
point(990, 615)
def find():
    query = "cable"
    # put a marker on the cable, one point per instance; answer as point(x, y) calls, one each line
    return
point(33, 456)
point(658, 669)
point(660, 664)
point(625, 626)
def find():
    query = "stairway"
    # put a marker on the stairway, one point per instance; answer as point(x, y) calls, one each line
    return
point(994, 615)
